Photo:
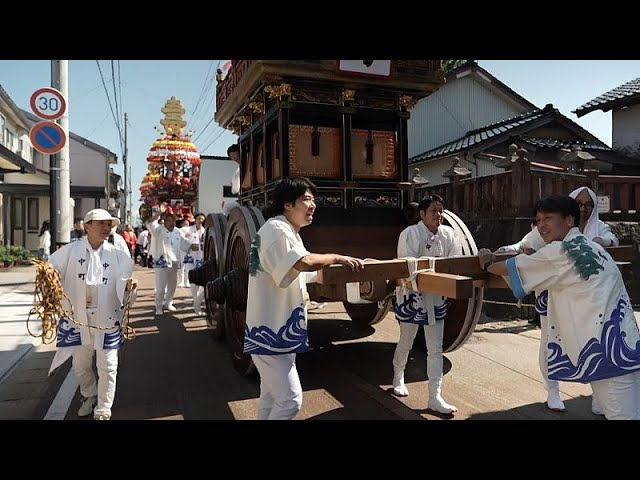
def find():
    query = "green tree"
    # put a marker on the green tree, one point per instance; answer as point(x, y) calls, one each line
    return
point(448, 65)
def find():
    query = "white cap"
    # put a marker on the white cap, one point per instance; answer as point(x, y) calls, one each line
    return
point(101, 214)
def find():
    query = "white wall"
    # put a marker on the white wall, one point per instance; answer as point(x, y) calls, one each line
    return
point(433, 170)
point(625, 134)
point(214, 175)
point(87, 166)
point(460, 105)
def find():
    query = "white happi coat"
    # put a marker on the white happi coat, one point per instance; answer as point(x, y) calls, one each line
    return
point(415, 241)
point(71, 262)
point(194, 258)
point(167, 248)
point(593, 334)
point(278, 299)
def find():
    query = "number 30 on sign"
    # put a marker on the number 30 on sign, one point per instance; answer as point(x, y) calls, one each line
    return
point(48, 103)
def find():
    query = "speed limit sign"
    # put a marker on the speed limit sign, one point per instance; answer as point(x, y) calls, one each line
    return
point(48, 103)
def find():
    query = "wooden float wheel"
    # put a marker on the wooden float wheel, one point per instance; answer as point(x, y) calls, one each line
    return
point(242, 225)
point(462, 315)
point(216, 225)
point(368, 314)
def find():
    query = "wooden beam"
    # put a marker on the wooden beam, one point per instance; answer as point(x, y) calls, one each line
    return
point(377, 270)
point(445, 284)
point(490, 281)
point(623, 253)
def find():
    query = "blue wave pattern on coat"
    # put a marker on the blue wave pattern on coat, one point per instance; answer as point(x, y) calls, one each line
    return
point(292, 337)
point(541, 303)
point(187, 259)
point(67, 335)
point(114, 340)
point(199, 263)
point(599, 359)
point(409, 312)
point(160, 263)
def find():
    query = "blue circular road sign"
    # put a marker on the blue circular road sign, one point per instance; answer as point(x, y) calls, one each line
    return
point(47, 137)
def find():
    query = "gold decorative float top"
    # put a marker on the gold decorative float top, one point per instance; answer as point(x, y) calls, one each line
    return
point(173, 122)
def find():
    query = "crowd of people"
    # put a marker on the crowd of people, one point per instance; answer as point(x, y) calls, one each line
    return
point(580, 296)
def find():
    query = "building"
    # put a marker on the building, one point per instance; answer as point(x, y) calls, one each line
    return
point(16, 160)
point(624, 104)
point(475, 118)
point(24, 189)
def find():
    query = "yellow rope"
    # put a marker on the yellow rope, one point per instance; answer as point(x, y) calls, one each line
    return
point(48, 300)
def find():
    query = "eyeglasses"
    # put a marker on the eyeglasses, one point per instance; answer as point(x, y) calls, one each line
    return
point(585, 205)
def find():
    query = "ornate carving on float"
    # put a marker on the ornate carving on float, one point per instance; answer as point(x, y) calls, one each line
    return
point(279, 91)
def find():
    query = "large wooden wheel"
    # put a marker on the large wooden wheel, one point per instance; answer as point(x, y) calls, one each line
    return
point(462, 315)
point(368, 314)
point(216, 225)
point(242, 225)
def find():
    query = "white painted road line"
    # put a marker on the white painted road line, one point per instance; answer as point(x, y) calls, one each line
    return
point(60, 405)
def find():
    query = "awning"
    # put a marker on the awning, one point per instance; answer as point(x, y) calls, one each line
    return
point(13, 163)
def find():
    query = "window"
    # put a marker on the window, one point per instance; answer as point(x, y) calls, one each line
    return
point(33, 222)
point(2, 123)
point(20, 147)
point(17, 214)
point(9, 139)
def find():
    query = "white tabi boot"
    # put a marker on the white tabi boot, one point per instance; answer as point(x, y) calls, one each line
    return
point(434, 372)
point(554, 402)
point(399, 388)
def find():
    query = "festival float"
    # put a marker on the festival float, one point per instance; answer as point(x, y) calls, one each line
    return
point(173, 164)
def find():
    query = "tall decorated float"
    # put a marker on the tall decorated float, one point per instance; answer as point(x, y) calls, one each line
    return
point(173, 163)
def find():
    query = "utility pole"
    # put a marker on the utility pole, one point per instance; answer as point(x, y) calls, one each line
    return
point(124, 161)
point(130, 198)
point(59, 184)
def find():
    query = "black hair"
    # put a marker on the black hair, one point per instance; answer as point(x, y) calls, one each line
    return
point(77, 220)
point(46, 225)
point(428, 200)
point(233, 148)
point(199, 213)
point(411, 213)
point(288, 190)
point(562, 204)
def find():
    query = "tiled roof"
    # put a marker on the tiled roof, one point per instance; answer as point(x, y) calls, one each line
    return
point(604, 102)
point(475, 137)
point(553, 143)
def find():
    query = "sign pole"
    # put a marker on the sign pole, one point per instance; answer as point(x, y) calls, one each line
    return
point(59, 80)
point(54, 175)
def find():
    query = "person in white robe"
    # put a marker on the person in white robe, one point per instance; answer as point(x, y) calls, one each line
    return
point(234, 154)
point(276, 318)
point(167, 248)
point(593, 334)
point(427, 238)
point(590, 224)
point(194, 258)
point(118, 241)
point(593, 229)
point(97, 279)
point(183, 279)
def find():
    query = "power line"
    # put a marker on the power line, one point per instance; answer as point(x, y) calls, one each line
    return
point(111, 107)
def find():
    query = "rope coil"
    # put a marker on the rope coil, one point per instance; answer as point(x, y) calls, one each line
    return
point(48, 299)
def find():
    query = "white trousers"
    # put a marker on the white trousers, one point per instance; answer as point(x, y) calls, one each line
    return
point(280, 389)
point(543, 356)
point(433, 336)
point(183, 276)
point(107, 363)
point(166, 282)
point(619, 397)
point(195, 289)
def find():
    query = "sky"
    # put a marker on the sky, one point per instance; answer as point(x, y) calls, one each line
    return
point(144, 86)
